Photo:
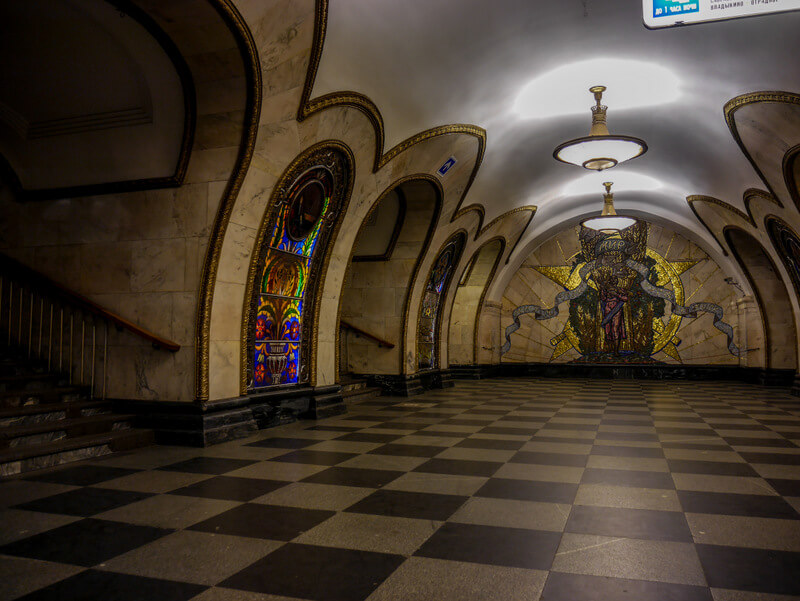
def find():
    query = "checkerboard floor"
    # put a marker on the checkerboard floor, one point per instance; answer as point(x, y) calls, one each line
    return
point(523, 489)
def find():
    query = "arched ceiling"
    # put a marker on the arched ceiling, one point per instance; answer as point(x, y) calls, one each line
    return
point(93, 94)
point(522, 70)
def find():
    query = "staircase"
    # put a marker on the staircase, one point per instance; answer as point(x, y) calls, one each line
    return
point(355, 390)
point(45, 422)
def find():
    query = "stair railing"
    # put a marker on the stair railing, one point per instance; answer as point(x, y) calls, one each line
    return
point(50, 323)
point(359, 332)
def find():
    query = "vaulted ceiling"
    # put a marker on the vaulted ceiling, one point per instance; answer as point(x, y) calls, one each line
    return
point(521, 70)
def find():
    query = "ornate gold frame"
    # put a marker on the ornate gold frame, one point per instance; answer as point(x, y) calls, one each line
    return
point(752, 282)
point(252, 67)
point(734, 104)
point(290, 174)
point(781, 223)
point(437, 343)
point(476, 326)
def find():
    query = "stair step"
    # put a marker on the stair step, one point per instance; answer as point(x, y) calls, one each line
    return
point(68, 428)
point(10, 399)
point(72, 406)
point(16, 460)
point(28, 382)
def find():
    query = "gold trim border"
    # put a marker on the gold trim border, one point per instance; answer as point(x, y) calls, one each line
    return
point(290, 173)
point(252, 67)
point(309, 106)
point(750, 195)
point(783, 224)
point(791, 157)
point(734, 104)
point(756, 293)
point(437, 343)
point(476, 325)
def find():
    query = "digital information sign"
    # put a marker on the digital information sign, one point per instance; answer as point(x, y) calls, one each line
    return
point(668, 13)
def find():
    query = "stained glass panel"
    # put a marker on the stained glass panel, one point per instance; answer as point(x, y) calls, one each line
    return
point(435, 290)
point(300, 221)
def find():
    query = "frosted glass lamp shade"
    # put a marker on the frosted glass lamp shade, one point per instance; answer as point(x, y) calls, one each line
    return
point(599, 152)
point(609, 224)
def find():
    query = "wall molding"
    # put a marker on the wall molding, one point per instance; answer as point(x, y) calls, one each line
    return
point(104, 121)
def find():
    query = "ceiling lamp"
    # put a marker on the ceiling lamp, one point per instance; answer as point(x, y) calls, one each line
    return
point(599, 150)
point(608, 222)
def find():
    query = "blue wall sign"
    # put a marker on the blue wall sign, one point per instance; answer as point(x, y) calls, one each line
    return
point(666, 8)
point(669, 13)
point(447, 165)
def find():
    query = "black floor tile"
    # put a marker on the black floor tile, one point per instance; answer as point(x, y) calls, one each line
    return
point(686, 431)
point(462, 422)
point(509, 430)
point(110, 586)
point(787, 488)
point(458, 467)
point(512, 547)
point(629, 523)
point(490, 443)
point(542, 437)
point(615, 451)
point(526, 490)
point(440, 434)
point(207, 465)
point(84, 543)
point(697, 446)
point(336, 428)
point(284, 443)
point(314, 457)
point(771, 458)
point(230, 489)
point(317, 573)
point(84, 502)
point(755, 570)
point(761, 506)
point(744, 441)
point(399, 503)
point(353, 476)
point(627, 422)
point(82, 475)
point(712, 468)
point(754, 427)
point(400, 426)
point(579, 587)
point(576, 427)
point(629, 436)
point(523, 419)
point(369, 437)
point(562, 459)
point(407, 450)
point(632, 478)
point(264, 521)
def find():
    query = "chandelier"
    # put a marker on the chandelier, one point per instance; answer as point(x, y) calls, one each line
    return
point(599, 150)
point(608, 222)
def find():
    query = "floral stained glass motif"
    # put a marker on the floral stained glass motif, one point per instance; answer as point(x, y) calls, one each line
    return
point(279, 311)
point(435, 290)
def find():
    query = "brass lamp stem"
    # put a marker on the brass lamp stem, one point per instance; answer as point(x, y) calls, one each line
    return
point(608, 201)
point(599, 126)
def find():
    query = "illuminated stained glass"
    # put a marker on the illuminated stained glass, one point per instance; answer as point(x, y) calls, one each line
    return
point(435, 290)
point(298, 224)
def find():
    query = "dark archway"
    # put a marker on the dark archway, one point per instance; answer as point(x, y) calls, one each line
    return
point(376, 290)
point(772, 298)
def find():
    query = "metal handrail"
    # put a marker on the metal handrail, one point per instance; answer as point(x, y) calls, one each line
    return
point(41, 318)
point(381, 342)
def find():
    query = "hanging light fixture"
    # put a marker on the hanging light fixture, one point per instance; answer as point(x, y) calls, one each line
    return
point(608, 222)
point(599, 150)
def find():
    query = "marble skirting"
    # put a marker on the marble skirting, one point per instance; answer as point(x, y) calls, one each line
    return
point(213, 422)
